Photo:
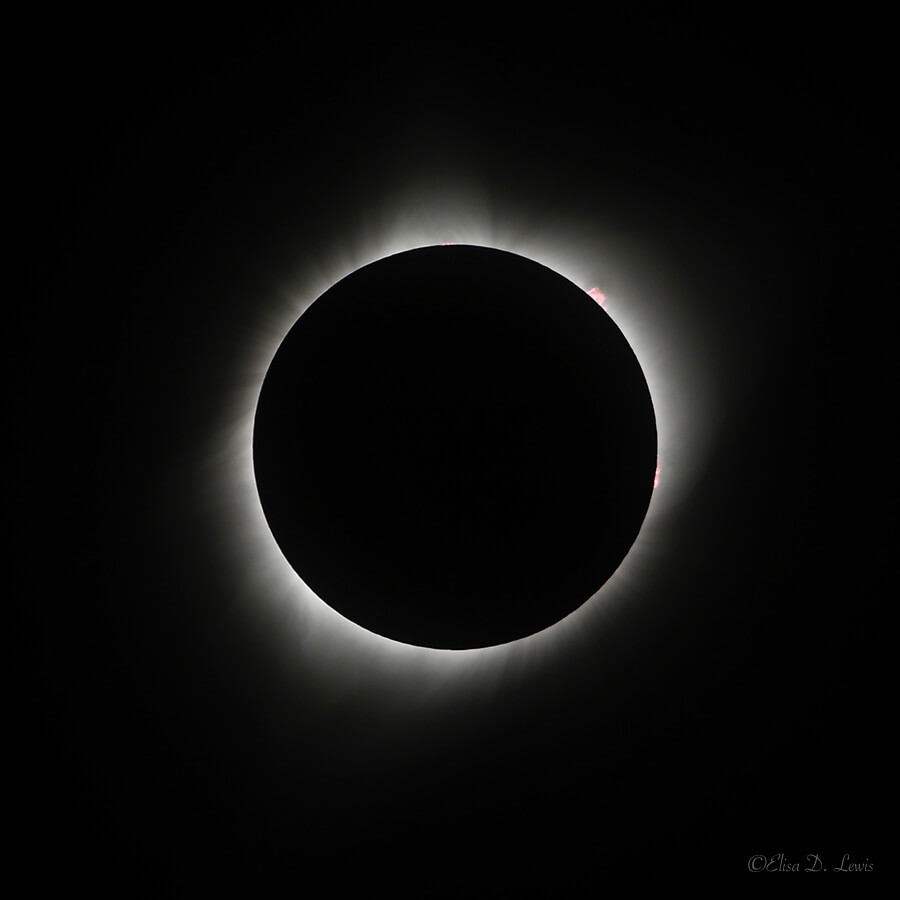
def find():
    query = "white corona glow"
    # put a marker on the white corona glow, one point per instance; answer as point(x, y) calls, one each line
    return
point(639, 295)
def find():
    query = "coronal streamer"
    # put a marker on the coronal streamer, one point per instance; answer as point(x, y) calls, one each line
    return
point(647, 303)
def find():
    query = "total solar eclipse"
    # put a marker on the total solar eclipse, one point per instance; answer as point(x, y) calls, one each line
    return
point(454, 447)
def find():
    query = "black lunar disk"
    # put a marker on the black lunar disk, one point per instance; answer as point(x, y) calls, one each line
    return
point(454, 447)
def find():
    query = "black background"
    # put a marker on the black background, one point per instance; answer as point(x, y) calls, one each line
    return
point(174, 169)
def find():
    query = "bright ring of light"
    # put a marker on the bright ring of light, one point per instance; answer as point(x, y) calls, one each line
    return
point(337, 652)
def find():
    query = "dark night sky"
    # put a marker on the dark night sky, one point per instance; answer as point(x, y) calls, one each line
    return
point(178, 168)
